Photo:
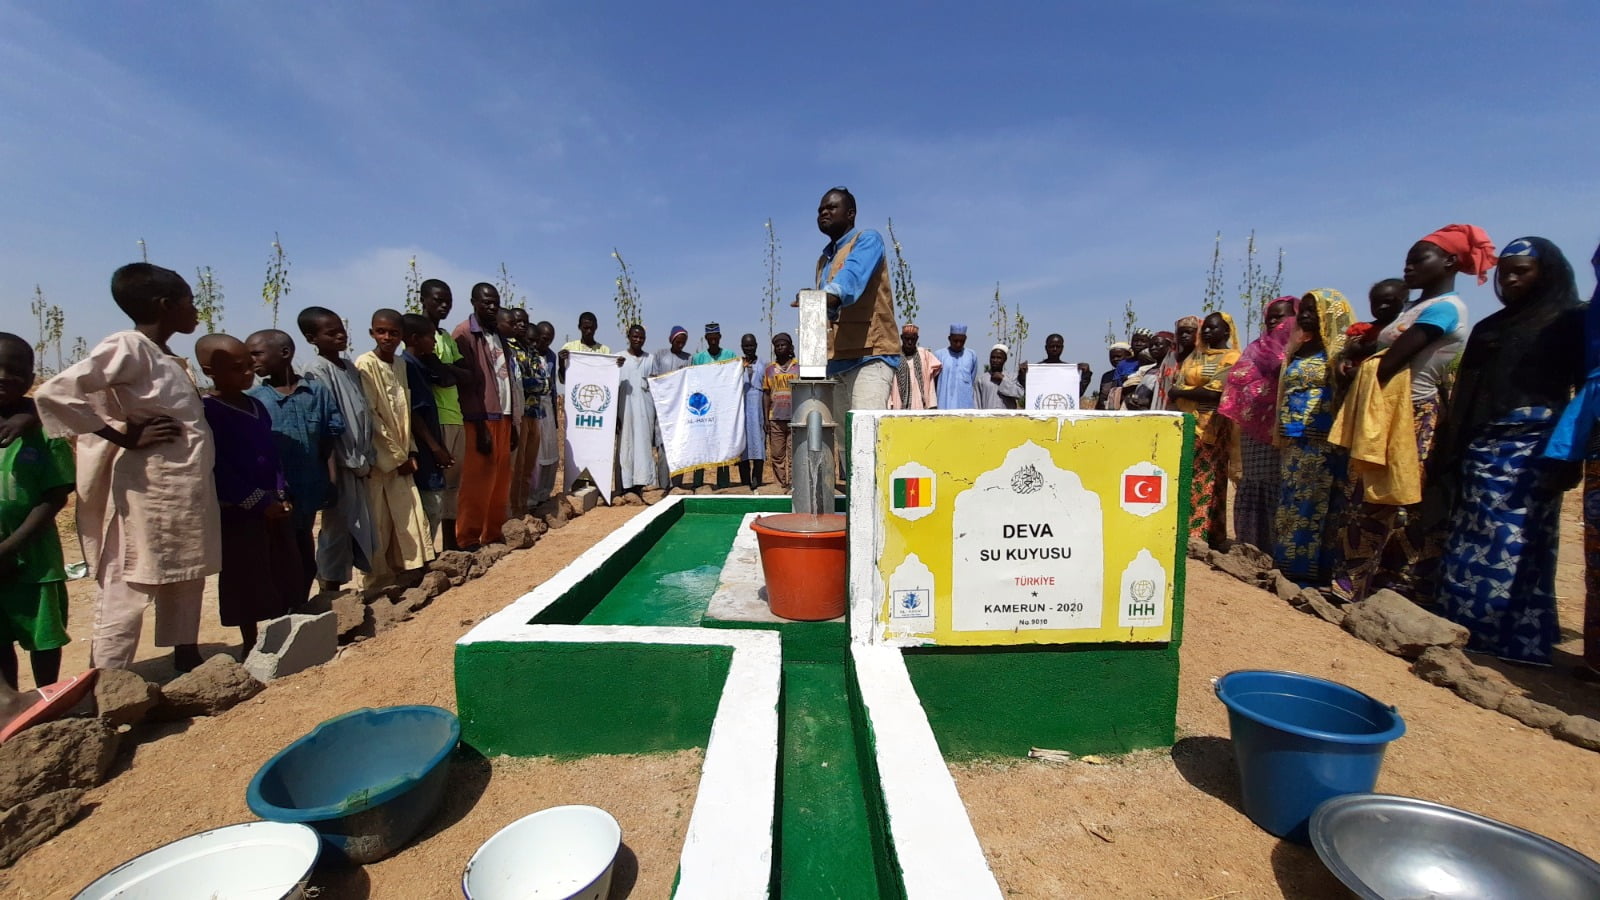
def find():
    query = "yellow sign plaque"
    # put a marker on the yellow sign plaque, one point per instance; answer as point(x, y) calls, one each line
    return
point(1010, 529)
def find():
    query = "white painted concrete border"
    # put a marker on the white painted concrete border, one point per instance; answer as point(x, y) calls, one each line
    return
point(937, 851)
point(864, 540)
point(522, 610)
point(727, 851)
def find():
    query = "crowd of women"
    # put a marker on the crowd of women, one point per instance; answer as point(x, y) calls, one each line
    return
point(1409, 451)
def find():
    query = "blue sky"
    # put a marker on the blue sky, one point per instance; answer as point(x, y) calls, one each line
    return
point(1079, 154)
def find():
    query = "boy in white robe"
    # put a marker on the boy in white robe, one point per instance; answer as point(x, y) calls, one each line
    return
point(400, 533)
point(147, 510)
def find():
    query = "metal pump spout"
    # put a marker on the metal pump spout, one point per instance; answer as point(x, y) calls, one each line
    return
point(811, 432)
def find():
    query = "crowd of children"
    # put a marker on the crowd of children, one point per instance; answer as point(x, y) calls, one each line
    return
point(295, 469)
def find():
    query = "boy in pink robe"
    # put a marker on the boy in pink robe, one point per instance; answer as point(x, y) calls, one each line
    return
point(147, 511)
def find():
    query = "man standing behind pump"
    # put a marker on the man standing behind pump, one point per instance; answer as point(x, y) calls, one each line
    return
point(863, 340)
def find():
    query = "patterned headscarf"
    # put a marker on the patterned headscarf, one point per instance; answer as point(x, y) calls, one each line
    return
point(1207, 367)
point(1171, 364)
point(1250, 396)
point(1334, 317)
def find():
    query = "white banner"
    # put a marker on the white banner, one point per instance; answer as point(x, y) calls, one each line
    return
point(1052, 386)
point(590, 442)
point(701, 412)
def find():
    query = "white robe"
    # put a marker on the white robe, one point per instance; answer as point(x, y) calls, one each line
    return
point(636, 464)
point(162, 495)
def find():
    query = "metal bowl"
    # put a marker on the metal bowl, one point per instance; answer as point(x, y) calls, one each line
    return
point(1401, 848)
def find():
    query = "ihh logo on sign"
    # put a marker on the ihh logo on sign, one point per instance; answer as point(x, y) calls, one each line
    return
point(589, 401)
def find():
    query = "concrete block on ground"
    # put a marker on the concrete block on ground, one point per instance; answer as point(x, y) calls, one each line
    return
point(293, 644)
point(581, 501)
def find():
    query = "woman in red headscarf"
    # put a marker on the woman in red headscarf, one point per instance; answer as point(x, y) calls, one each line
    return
point(1385, 546)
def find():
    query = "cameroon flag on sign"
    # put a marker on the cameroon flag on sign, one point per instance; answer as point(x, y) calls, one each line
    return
point(912, 493)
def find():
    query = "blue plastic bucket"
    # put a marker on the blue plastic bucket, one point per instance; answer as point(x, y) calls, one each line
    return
point(367, 781)
point(1300, 740)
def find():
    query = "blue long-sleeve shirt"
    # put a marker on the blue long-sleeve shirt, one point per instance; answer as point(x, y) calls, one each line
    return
point(848, 283)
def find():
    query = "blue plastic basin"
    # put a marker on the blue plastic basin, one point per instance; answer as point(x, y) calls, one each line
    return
point(1300, 740)
point(367, 781)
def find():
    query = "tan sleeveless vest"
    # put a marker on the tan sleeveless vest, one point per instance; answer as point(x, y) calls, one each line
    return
point(865, 327)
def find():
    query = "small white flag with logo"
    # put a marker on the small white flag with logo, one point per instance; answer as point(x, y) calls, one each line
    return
point(590, 444)
point(1052, 387)
point(701, 411)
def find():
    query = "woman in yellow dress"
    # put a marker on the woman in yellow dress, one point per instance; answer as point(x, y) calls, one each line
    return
point(1198, 390)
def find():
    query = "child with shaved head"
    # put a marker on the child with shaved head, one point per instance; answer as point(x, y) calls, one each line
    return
point(401, 539)
point(306, 424)
point(260, 564)
point(147, 514)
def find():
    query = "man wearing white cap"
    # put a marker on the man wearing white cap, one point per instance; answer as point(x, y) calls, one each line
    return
point(958, 371)
point(995, 389)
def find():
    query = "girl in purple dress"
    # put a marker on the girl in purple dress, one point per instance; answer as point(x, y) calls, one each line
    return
point(261, 569)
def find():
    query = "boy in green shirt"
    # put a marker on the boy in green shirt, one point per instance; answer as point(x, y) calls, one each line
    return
point(445, 369)
point(36, 477)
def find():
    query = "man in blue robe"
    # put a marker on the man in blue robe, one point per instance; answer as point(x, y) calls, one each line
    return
point(959, 371)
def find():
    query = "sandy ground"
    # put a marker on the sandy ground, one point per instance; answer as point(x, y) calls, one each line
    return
point(1169, 825)
point(193, 775)
point(1155, 824)
point(1151, 824)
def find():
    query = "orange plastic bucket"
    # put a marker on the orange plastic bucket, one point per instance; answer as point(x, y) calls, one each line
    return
point(803, 558)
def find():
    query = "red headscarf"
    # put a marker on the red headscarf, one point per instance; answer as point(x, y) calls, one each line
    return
point(1470, 245)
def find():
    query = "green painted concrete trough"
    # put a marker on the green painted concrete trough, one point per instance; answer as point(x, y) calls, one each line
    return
point(825, 757)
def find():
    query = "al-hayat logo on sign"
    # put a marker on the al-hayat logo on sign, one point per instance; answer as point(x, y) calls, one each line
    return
point(589, 403)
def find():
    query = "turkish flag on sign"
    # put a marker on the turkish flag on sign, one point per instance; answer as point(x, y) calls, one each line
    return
point(1141, 488)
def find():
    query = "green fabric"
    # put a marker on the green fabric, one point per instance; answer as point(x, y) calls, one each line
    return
point(447, 398)
point(702, 358)
point(31, 466)
point(34, 616)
